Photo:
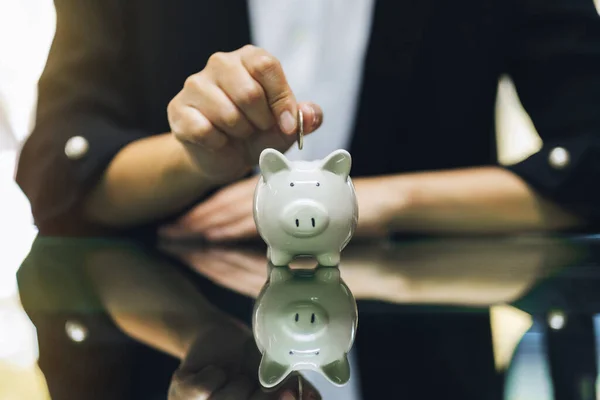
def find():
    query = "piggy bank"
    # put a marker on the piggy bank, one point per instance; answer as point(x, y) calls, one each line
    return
point(304, 320)
point(305, 208)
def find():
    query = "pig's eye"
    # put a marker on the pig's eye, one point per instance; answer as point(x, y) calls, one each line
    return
point(292, 184)
point(318, 184)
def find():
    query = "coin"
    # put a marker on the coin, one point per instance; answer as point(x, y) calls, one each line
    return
point(300, 129)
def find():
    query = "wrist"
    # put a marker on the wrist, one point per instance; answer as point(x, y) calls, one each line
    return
point(382, 200)
point(207, 166)
point(399, 202)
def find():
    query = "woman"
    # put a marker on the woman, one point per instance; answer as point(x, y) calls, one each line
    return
point(152, 113)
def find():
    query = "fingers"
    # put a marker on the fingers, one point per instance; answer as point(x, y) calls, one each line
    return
point(226, 207)
point(313, 116)
point(229, 275)
point(248, 95)
point(196, 386)
point(243, 229)
point(190, 126)
point(210, 215)
point(236, 95)
point(249, 261)
point(217, 107)
point(236, 200)
point(267, 71)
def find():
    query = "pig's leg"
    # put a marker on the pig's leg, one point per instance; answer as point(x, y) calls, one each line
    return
point(279, 258)
point(329, 259)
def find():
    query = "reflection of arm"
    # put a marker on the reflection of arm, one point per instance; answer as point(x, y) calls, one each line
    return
point(150, 300)
point(476, 273)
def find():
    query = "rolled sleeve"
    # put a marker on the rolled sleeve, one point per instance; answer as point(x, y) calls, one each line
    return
point(566, 171)
point(86, 111)
point(555, 64)
point(55, 183)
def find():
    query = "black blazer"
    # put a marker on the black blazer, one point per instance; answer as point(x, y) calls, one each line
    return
point(427, 98)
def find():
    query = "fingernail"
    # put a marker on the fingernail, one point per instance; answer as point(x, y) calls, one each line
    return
point(317, 115)
point(287, 122)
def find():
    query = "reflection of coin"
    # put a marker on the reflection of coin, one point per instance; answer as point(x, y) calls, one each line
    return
point(300, 129)
point(300, 394)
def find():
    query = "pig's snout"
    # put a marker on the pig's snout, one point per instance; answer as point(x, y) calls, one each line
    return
point(304, 318)
point(304, 218)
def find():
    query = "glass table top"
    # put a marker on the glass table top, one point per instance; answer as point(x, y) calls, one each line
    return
point(460, 318)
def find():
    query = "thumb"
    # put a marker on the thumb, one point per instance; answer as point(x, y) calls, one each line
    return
point(313, 116)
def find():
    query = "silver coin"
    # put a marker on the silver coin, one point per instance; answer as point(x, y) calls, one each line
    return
point(300, 129)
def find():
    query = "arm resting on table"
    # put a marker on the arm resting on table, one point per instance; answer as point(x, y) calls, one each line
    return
point(474, 200)
point(557, 75)
point(148, 179)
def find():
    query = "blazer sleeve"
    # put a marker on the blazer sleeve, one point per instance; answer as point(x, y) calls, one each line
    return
point(555, 64)
point(85, 111)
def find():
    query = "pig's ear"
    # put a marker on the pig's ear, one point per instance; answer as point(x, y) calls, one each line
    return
point(271, 373)
point(280, 274)
point(338, 162)
point(271, 161)
point(338, 372)
point(328, 274)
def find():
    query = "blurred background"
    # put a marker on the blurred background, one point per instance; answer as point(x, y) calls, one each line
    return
point(26, 31)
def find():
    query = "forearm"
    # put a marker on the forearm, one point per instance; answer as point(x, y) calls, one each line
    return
point(474, 200)
point(150, 300)
point(148, 179)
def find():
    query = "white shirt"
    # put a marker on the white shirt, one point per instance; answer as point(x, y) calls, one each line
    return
point(321, 45)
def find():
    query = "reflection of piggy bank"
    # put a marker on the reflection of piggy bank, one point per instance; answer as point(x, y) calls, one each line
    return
point(305, 208)
point(304, 320)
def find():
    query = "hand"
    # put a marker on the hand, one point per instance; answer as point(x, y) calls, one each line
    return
point(228, 216)
point(222, 363)
point(244, 271)
point(238, 105)
point(225, 216)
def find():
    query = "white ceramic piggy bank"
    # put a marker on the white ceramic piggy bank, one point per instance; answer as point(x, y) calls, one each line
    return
point(305, 208)
point(304, 320)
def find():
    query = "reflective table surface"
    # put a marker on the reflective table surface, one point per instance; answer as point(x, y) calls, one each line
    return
point(485, 318)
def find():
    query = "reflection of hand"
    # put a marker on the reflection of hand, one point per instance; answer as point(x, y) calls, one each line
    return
point(227, 215)
point(222, 363)
point(243, 271)
point(449, 271)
